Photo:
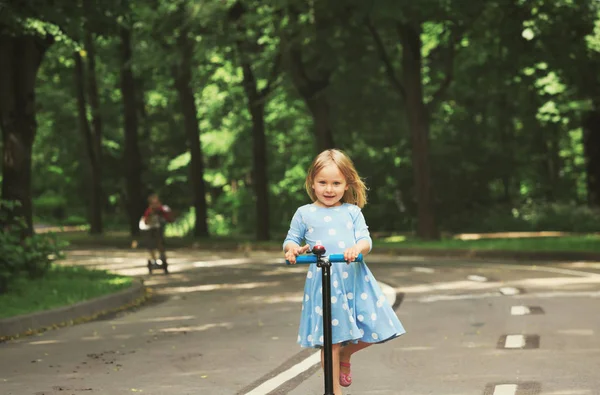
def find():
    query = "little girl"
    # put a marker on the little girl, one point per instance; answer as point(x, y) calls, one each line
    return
point(361, 315)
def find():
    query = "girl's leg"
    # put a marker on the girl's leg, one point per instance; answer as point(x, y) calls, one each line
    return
point(346, 353)
point(335, 351)
point(161, 243)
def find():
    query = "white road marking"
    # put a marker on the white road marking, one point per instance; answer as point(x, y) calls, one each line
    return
point(423, 269)
point(309, 362)
point(505, 389)
point(514, 341)
point(289, 374)
point(477, 278)
point(509, 291)
point(520, 310)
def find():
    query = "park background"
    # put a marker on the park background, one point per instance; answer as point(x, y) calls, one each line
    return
point(462, 117)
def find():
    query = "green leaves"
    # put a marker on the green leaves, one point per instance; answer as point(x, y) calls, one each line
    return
point(23, 256)
point(524, 72)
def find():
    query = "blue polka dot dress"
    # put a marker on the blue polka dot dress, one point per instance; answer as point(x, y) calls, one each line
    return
point(359, 309)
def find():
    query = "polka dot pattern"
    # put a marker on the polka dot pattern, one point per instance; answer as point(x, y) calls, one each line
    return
point(358, 308)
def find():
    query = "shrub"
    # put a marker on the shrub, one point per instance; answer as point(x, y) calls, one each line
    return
point(29, 256)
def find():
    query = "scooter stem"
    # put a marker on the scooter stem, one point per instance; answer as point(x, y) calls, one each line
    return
point(325, 265)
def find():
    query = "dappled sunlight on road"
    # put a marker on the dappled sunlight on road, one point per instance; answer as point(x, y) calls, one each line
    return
point(159, 279)
point(585, 265)
point(199, 328)
point(156, 319)
point(284, 271)
point(272, 299)
point(508, 235)
point(446, 286)
point(554, 282)
point(415, 348)
point(44, 342)
point(133, 262)
point(221, 262)
point(213, 287)
point(576, 332)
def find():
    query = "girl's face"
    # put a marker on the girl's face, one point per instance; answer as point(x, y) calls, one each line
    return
point(154, 202)
point(329, 186)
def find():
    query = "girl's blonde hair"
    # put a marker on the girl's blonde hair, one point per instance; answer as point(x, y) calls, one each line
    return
point(357, 190)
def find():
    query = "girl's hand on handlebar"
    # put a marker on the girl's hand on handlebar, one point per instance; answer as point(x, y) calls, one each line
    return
point(352, 253)
point(293, 252)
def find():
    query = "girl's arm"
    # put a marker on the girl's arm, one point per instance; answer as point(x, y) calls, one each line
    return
point(289, 245)
point(295, 236)
point(364, 246)
point(147, 214)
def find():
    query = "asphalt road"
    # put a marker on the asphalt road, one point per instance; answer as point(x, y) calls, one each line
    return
point(226, 323)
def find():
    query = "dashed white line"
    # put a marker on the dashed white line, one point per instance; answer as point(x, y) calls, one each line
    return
point(477, 278)
point(514, 341)
point(505, 389)
point(520, 310)
point(509, 291)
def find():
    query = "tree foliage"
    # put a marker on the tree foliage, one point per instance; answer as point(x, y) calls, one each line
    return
point(459, 118)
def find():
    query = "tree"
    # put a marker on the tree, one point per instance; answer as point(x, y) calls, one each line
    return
point(310, 65)
point(27, 30)
point(408, 25)
point(183, 84)
point(247, 50)
point(131, 157)
point(22, 49)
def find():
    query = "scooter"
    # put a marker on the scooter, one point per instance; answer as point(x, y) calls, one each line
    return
point(324, 262)
point(160, 263)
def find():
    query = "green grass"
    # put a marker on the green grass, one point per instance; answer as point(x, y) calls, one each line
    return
point(583, 243)
point(63, 285)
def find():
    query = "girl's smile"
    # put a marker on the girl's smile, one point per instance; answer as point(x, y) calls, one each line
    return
point(329, 186)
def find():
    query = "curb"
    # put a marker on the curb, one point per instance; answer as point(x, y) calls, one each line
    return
point(88, 310)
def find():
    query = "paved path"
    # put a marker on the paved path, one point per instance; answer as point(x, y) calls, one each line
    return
point(224, 323)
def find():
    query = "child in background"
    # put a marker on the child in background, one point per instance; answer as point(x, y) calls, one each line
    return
point(361, 314)
point(155, 219)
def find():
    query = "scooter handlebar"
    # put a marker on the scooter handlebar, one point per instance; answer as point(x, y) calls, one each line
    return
point(308, 259)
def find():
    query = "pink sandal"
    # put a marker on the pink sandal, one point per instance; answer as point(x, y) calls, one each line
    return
point(345, 378)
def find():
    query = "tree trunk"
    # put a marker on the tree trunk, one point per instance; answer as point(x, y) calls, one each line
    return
point(183, 80)
point(552, 163)
point(94, 208)
point(319, 108)
point(313, 93)
point(20, 59)
point(256, 106)
point(132, 159)
point(418, 119)
point(591, 148)
point(97, 201)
